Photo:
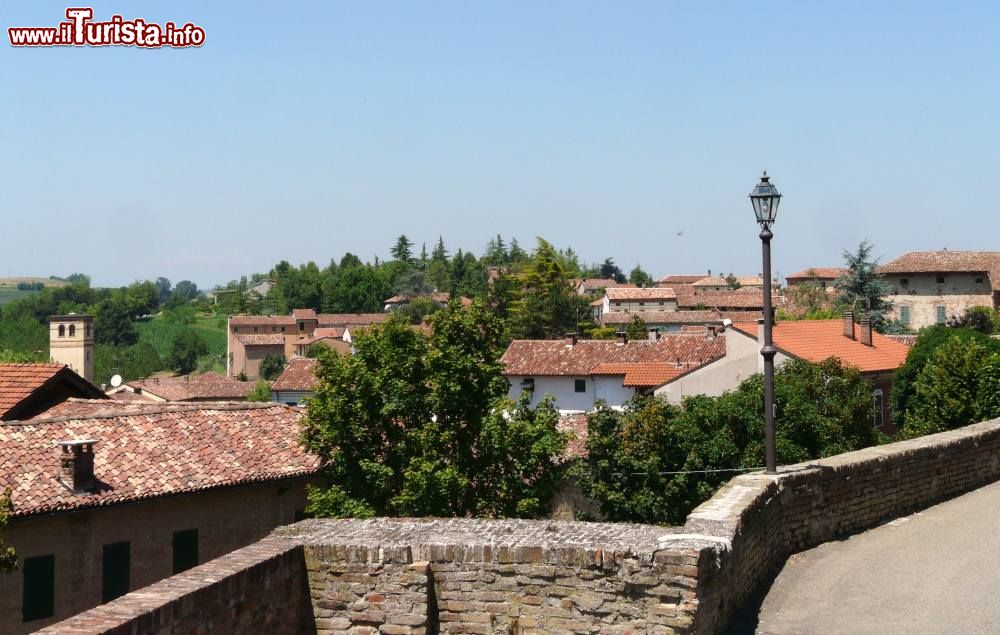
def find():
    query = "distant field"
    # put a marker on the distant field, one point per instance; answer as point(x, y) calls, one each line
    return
point(14, 281)
point(160, 334)
point(9, 291)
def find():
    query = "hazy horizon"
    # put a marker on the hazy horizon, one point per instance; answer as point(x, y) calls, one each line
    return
point(632, 131)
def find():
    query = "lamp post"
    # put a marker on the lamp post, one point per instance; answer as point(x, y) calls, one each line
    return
point(765, 199)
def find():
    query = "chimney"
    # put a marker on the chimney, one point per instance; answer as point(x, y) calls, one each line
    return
point(849, 324)
point(622, 337)
point(709, 273)
point(653, 335)
point(866, 330)
point(570, 339)
point(76, 465)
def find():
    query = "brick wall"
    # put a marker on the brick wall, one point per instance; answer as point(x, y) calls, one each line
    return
point(226, 519)
point(258, 589)
point(408, 576)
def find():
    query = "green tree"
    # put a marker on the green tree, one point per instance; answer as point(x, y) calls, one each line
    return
point(142, 298)
point(548, 307)
point(78, 278)
point(654, 462)
point(261, 391)
point(862, 289)
point(186, 289)
point(185, 349)
point(402, 250)
point(416, 425)
point(610, 270)
point(637, 329)
point(949, 388)
point(978, 318)
point(640, 278)
point(904, 392)
point(361, 289)
point(113, 323)
point(8, 559)
point(516, 253)
point(271, 366)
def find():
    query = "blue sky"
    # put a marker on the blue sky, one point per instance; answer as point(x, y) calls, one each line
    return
point(303, 130)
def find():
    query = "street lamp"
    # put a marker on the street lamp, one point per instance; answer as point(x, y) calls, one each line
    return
point(765, 199)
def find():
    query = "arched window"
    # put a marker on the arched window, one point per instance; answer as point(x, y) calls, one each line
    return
point(62, 330)
point(72, 330)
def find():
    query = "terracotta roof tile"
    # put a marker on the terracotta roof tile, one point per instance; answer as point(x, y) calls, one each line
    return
point(261, 320)
point(680, 279)
point(575, 425)
point(643, 375)
point(556, 357)
point(655, 293)
point(710, 281)
point(19, 381)
point(948, 261)
point(299, 375)
point(351, 319)
point(746, 298)
point(662, 317)
point(189, 387)
point(304, 314)
point(817, 273)
point(149, 450)
point(817, 340)
point(262, 339)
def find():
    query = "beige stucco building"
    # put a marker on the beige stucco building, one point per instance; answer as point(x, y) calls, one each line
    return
point(929, 287)
point(71, 342)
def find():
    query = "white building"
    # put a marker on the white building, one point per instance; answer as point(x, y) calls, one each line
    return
point(580, 373)
point(296, 383)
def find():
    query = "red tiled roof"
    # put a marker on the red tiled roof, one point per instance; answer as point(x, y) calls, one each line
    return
point(817, 273)
point(710, 281)
point(348, 319)
point(262, 339)
point(19, 381)
point(188, 387)
point(741, 316)
point(817, 340)
point(320, 334)
point(299, 376)
point(576, 426)
point(680, 279)
point(125, 395)
point(555, 357)
point(148, 450)
point(596, 284)
point(948, 261)
point(304, 314)
point(655, 293)
point(261, 320)
point(746, 298)
point(662, 317)
point(905, 340)
point(642, 375)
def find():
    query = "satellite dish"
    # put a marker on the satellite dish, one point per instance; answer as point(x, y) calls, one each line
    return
point(116, 381)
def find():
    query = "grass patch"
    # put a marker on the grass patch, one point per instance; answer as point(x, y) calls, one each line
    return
point(160, 331)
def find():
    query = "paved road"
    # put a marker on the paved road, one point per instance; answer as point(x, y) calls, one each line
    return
point(937, 571)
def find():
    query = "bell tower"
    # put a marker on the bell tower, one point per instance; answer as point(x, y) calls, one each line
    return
point(71, 342)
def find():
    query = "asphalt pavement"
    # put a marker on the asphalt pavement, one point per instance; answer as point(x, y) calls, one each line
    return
point(937, 571)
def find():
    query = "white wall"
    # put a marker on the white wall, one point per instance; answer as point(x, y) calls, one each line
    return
point(742, 360)
point(289, 397)
point(608, 388)
point(637, 306)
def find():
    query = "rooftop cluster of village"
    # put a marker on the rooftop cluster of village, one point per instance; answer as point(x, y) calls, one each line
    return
point(117, 484)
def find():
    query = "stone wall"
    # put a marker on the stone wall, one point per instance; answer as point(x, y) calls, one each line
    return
point(403, 576)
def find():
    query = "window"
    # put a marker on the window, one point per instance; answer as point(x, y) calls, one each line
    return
point(979, 279)
point(661, 302)
point(274, 329)
point(941, 314)
point(86, 330)
point(62, 330)
point(940, 279)
point(904, 282)
point(282, 329)
point(904, 315)
point(618, 303)
point(302, 326)
point(293, 403)
point(877, 406)
point(185, 549)
point(72, 330)
point(38, 600)
point(642, 304)
point(528, 384)
point(580, 385)
point(114, 580)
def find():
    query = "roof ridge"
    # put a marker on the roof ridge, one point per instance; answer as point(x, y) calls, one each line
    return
point(136, 409)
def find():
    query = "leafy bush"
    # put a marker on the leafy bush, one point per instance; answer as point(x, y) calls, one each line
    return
point(185, 350)
point(271, 366)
